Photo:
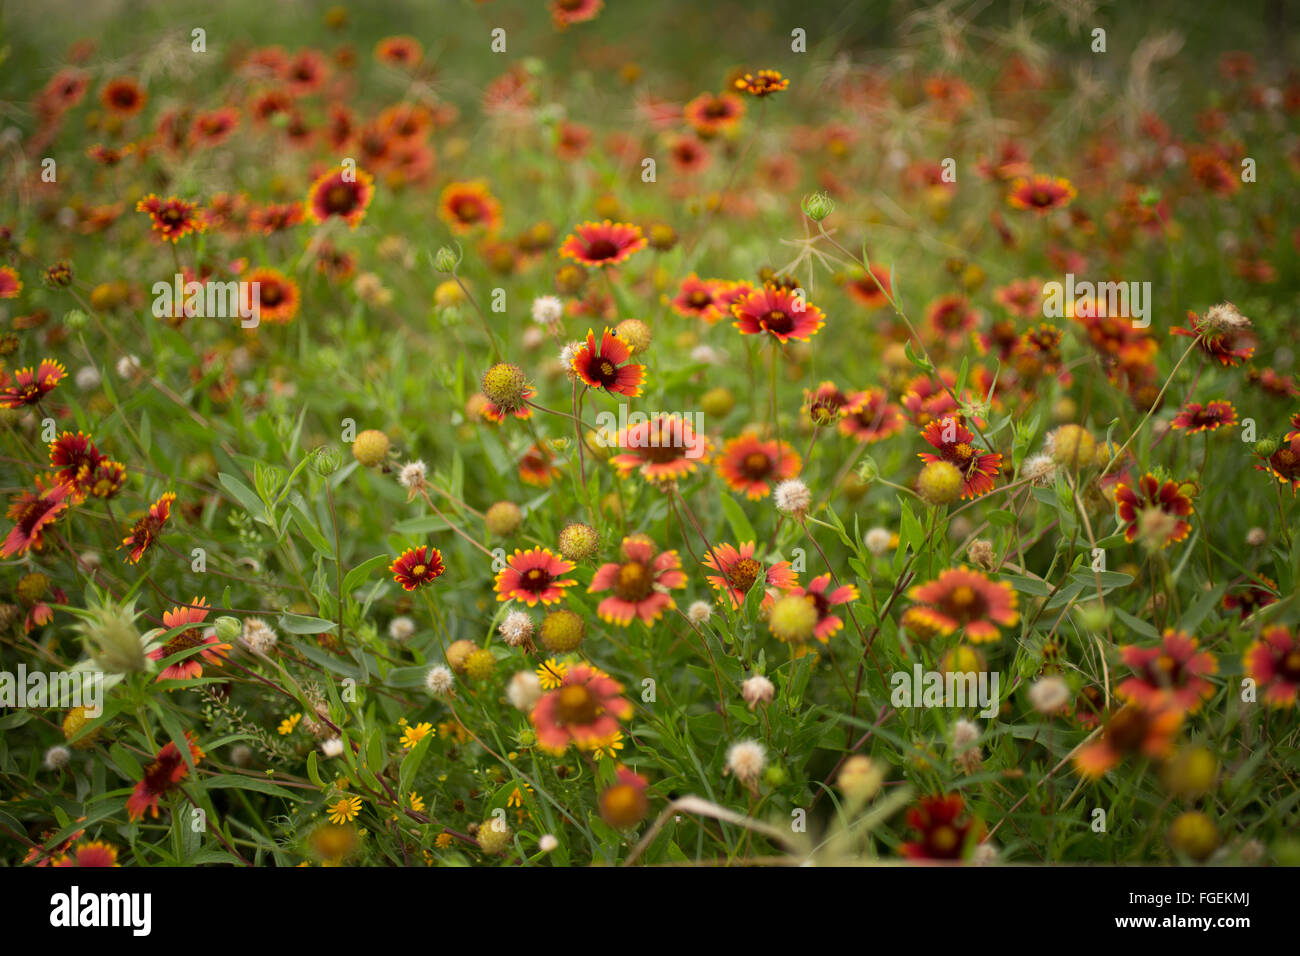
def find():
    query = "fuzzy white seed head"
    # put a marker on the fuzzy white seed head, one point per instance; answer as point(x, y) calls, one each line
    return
point(128, 366)
point(439, 680)
point(401, 628)
point(964, 735)
point(517, 629)
point(524, 691)
point(746, 760)
point(757, 690)
point(792, 497)
point(1039, 469)
point(258, 636)
point(877, 541)
point(547, 843)
point(413, 475)
point(1049, 694)
point(706, 355)
point(984, 854)
point(87, 378)
point(57, 757)
point(1257, 537)
point(333, 747)
point(699, 612)
point(547, 310)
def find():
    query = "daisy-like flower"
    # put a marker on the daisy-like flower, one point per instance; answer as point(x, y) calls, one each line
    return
point(123, 96)
point(551, 673)
point(31, 385)
point(601, 366)
point(90, 853)
point(289, 725)
point(698, 299)
point(822, 404)
point(172, 218)
point(404, 51)
point(869, 417)
point(1170, 674)
point(31, 514)
point(467, 206)
point(345, 809)
point(537, 466)
point(146, 530)
point(1171, 499)
point(1194, 417)
point(564, 13)
point(640, 583)
point(341, 193)
point(753, 465)
point(214, 127)
point(1222, 333)
point(665, 448)
point(417, 567)
point(413, 735)
point(824, 598)
point(869, 290)
point(1023, 298)
point(779, 312)
point(962, 600)
point(585, 709)
point(601, 244)
point(534, 575)
point(952, 440)
point(161, 777)
point(1041, 193)
point(270, 295)
point(193, 636)
point(738, 571)
point(10, 284)
point(1284, 464)
point(1273, 662)
point(944, 829)
point(1258, 592)
point(763, 83)
point(710, 115)
point(74, 456)
point(1131, 731)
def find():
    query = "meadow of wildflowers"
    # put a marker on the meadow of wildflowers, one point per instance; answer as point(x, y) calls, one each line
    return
point(586, 433)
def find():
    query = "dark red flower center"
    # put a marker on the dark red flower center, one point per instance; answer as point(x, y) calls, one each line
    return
point(600, 249)
point(778, 322)
point(339, 199)
point(1289, 667)
point(756, 465)
point(535, 579)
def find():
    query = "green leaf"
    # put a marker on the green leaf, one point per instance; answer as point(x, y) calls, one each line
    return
point(740, 525)
point(302, 624)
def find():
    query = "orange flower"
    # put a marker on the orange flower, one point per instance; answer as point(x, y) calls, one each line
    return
point(341, 193)
point(123, 96)
point(601, 366)
point(763, 83)
point(1170, 674)
point(664, 448)
point(467, 206)
point(640, 583)
point(1131, 731)
point(533, 576)
point(603, 244)
point(953, 440)
point(417, 567)
point(868, 417)
point(779, 312)
point(172, 218)
point(738, 571)
point(1041, 193)
point(959, 599)
point(148, 528)
point(31, 385)
point(161, 776)
point(31, 514)
point(276, 297)
point(1195, 417)
point(192, 637)
point(585, 710)
point(752, 465)
point(1151, 496)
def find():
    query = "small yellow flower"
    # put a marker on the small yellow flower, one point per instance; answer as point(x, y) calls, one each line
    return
point(413, 735)
point(345, 809)
point(454, 728)
point(289, 724)
point(517, 798)
point(417, 802)
point(551, 674)
point(610, 747)
point(442, 841)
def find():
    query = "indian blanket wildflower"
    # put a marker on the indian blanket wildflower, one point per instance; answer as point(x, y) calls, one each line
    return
point(534, 576)
point(640, 583)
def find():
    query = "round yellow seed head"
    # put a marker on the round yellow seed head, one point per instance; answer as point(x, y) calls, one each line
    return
point(503, 518)
point(939, 483)
point(371, 447)
point(562, 631)
point(793, 618)
point(480, 664)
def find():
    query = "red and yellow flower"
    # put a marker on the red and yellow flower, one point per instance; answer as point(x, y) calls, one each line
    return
point(944, 829)
point(172, 218)
point(10, 284)
point(824, 598)
point(710, 115)
point(89, 853)
point(276, 298)
point(1171, 499)
point(1195, 417)
point(1284, 464)
point(32, 513)
point(31, 385)
point(1131, 731)
point(416, 567)
point(753, 465)
point(869, 417)
point(601, 366)
point(1041, 193)
point(341, 193)
point(1273, 662)
point(953, 440)
point(962, 600)
point(466, 206)
point(161, 777)
point(146, 530)
point(640, 582)
point(532, 576)
point(601, 244)
point(664, 448)
point(1170, 674)
point(738, 571)
point(584, 710)
point(778, 311)
point(190, 667)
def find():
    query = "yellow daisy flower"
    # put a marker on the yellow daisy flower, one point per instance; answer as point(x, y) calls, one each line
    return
point(417, 802)
point(551, 673)
point(517, 798)
point(288, 725)
point(413, 735)
point(610, 747)
point(345, 809)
